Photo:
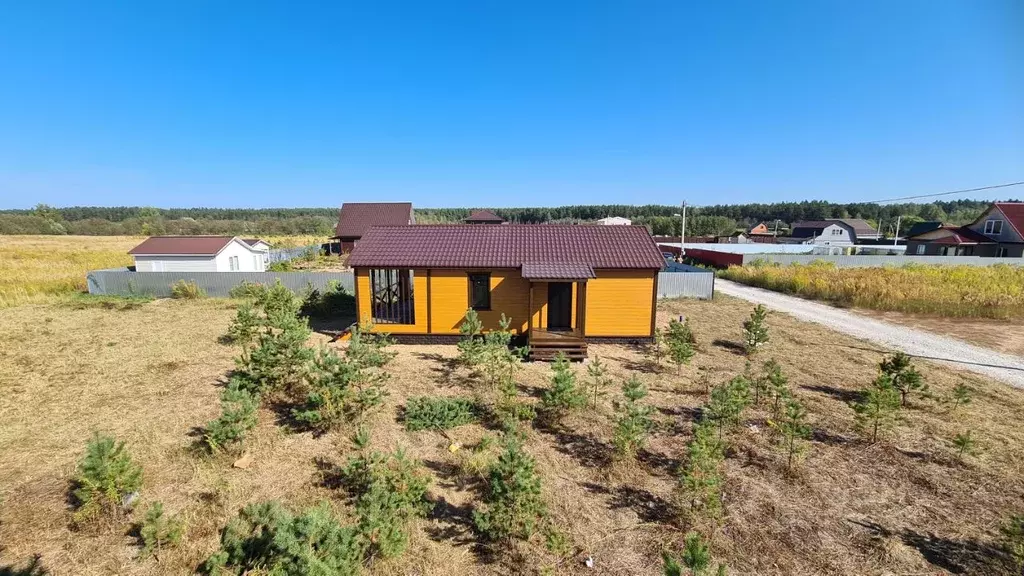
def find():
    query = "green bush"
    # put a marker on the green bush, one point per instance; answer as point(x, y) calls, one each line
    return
point(390, 490)
point(679, 339)
point(696, 556)
point(280, 266)
point(424, 412)
point(247, 290)
point(333, 302)
point(471, 345)
point(700, 480)
point(159, 531)
point(755, 330)
point(238, 415)
point(187, 290)
point(369, 349)
point(106, 478)
point(340, 391)
point(513, 506)
point(267, 539)
point(279, 358)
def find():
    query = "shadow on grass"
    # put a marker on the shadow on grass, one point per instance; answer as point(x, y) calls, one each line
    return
point(734, 347)
point(587, 450)
point(447, 368)
point(33, 568)
point(643, 366)
point(658, 462)
point(840, 394)
point(954, 555)
point(647, 506)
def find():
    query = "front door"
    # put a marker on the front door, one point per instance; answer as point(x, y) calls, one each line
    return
point(560, 306)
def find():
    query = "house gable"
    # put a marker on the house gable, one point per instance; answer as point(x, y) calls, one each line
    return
point(1002, 222)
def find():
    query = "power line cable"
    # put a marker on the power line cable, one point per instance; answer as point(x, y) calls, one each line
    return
point(964, 191)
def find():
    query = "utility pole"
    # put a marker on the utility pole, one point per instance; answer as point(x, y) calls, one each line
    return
point(897, 235)
point(682, 233)
point(775, 233)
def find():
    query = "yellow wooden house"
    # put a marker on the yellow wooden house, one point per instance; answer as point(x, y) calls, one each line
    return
point(562, 285)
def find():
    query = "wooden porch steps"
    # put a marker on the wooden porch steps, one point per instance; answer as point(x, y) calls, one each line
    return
point(544, 345)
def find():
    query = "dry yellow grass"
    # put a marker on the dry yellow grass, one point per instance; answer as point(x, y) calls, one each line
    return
point(149, 374)
point(36, 269)
point(953, 291)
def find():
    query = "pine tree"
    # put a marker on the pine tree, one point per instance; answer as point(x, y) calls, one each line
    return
point(158, 531)
point(776, 385)
point(341, 390)
point(634, 422)
point(904, 377)
point(879, 407)
point(696, 557)
point(961, 396)
point(369, 349)
point(513, 506)
point(965, 443)
point(238, 415)
point(563, 395)
point(1013, 540)
point(107, 478)
point(791, 424)
point(597, 380)
point(657, 350)
point(700, 480)
point(727, 403)
point(755, 330)
point(471, 346)
point(680, 343)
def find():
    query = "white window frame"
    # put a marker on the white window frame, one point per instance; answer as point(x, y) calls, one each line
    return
point(256, 262)
point(1001, 252)
point(233, 263)
point(157, 266)
point(920, 249)
point(994, 227)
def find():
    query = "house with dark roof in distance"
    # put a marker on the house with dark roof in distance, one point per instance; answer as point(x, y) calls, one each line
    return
point(834, 232)
point(998, 232)
point(561, 285)
point(355, 218)
point(484, 217)
point(200, 254)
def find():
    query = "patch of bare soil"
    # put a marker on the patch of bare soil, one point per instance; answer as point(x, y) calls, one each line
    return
point(151, 375)
point(1005, 336)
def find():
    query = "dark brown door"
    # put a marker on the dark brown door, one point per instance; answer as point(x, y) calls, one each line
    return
point(560, 306)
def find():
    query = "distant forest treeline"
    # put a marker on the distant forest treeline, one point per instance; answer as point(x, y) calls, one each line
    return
point(705, 220)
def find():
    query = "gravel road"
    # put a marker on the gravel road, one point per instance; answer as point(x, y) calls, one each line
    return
point(1002, 367)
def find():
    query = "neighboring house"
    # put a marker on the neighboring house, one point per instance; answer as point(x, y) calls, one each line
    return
point(998, 232)
point(197, 254)
point(484, 217)
point(922, 227)
point(260, 246)
point(355, 218)
point(561, 285)
point(834, 231)
point(615, 221)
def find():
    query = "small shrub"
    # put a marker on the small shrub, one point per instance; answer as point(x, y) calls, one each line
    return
point(879, 407)
point(369, 349)
point(634, 422)
point(334, 301)
point(265, 538)
point(238, 415)
point(904, 377)
point(389, 490)
point(471, 346)
point(1013, 540)
point(563, 395)
point(755, 330)
point(727, 402)
point(696, 557)
point(597, 380)
point(340, 391)
point(106, 478)
point(961, 396)
point(423, 413)
point(247, 290)
point(513, 506)
point(187, 290)
point(280, 266)
point(280, 358)
point(775, 385)
point(159, 531)
point(245, 327)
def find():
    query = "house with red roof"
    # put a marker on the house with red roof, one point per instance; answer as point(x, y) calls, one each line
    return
point(560, 285)
point(200, 254)
point(484, 217)
point(998, 232)
point(355, 218)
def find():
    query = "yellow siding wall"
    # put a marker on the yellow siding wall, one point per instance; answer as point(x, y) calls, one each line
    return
point(619, 303)
point(449, 295)
point(419, 292)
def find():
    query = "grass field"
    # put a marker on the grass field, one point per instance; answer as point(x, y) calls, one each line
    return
point(150, 373)
point(950, 291)
point(36, 269)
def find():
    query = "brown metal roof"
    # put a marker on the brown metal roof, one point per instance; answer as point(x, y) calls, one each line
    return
point(252, 241)
point(187, 245)
point(557, 271)
point(484, 216)
point(355, 218)
point(508, 246)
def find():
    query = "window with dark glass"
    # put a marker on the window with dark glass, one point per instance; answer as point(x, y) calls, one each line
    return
point(480, 291)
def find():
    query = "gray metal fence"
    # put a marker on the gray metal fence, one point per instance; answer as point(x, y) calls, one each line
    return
point(686, 284)
point(279, 255)
point(123, 282)
point(877, 261)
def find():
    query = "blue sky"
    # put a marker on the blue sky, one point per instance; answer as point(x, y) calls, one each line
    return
point(253, 104)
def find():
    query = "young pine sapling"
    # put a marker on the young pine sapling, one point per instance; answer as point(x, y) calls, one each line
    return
point(634, 422)
point(563, 395)
point(965, 443)
point(597, 380)
point(755, 330)
point(904, 377)
point(791, 425)
point(878, 408)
